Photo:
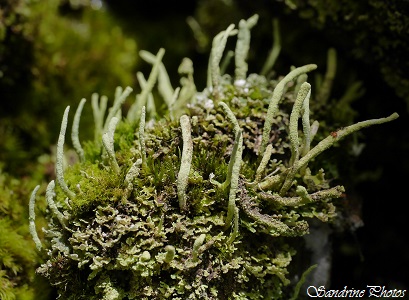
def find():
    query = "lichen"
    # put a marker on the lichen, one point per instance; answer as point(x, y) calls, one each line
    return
point(198, 207)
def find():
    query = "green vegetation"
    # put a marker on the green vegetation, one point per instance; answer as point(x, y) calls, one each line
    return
point(374, 31)
point(50, 53)
point(18, 258)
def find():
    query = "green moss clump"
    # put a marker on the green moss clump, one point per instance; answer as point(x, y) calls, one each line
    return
point(204, 203)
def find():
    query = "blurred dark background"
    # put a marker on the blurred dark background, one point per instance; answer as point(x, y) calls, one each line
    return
point(41, 73)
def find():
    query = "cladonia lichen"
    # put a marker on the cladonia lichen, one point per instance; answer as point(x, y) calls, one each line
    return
point(202, 206)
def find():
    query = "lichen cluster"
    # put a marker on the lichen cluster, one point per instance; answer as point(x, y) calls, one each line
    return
point(199, 204)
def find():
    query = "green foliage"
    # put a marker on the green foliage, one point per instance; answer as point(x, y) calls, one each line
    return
point(375, 32)
point(203, 207)
point(18, 258)
point(58, 46)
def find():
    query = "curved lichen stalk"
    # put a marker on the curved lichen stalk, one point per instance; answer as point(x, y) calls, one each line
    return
point(327, 143)
point(59, 168)
point(32, 218)
point(75, 131)
point(195, 208)
point(242, 47)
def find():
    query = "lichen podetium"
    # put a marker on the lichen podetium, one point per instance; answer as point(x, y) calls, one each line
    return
point(199, 204)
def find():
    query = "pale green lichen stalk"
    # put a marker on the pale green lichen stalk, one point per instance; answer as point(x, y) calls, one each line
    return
point(142, 98)
point(164, 86)
point(59, 168)
point(186, 161)
point(32, 218)
point(303, 96)
point(108, 142)
point(98, 108)
point(142, 123)
point(218, 46)
point(242, 47)
point(276, 98)
point(200, 204)
point(75, 131)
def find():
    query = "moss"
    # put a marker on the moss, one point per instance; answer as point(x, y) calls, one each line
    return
point(212, 212)
point(18, 258)
point(48, 58)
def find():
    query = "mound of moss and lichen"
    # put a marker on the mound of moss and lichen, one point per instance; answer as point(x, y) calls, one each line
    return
point(200, 204)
